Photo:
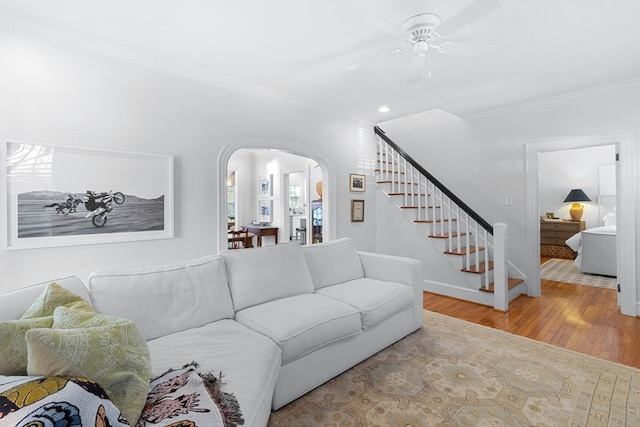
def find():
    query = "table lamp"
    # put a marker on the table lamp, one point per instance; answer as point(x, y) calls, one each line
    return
point(576, 195)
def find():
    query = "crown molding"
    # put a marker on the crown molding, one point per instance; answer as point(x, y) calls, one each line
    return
point(621, 85)
point(145, 59)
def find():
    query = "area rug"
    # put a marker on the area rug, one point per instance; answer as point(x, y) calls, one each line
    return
point(564, 270)
point(456, 373)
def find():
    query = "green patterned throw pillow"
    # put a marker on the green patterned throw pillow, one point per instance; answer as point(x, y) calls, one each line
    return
point(52, 297)
point(108, 350)
point(13, 348)
point(13, 351)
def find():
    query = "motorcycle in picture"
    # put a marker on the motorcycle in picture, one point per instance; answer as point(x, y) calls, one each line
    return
point(99, 204)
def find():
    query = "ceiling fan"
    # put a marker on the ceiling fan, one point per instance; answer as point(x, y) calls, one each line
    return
point(425, 32)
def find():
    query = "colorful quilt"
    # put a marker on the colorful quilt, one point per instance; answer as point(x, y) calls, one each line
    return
point(186, 398)
point(56, 402)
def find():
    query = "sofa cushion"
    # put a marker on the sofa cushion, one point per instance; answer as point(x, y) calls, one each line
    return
point(375, 299)
point(268, 273)
point(249, 361)
point(303, 323)
point(167, 298)
point(108, 350)
point(333, 262)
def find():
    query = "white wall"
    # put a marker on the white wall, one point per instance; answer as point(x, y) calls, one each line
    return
point(561, 171)
point(483, 158)
point(56, 94)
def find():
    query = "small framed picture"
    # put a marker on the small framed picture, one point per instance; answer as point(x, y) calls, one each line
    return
point(265, 185)
point(356, 182)
point(549, 215)
point(265, 208)
point(357, 210)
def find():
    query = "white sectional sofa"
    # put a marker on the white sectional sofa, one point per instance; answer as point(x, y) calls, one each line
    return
point(278, 321)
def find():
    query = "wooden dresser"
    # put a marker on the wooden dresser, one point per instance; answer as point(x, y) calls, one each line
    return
point(553, 235)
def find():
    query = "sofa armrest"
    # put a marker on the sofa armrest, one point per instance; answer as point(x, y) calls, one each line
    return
point(392, 268)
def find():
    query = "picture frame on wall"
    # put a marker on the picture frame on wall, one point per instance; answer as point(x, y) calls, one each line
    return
point(62, 196)
point(265, 185)
point(357, 182)
point(265, 211)
point(357, 210)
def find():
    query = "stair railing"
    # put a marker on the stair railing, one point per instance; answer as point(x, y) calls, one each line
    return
point(466, 232)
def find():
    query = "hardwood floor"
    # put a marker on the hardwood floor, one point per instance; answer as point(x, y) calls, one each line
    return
point(579, 318)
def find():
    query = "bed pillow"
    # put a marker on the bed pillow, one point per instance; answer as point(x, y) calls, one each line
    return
point(609, 219)
point(108, 350)
point(13, 351)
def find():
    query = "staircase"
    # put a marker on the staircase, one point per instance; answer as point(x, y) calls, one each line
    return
point(473, 246)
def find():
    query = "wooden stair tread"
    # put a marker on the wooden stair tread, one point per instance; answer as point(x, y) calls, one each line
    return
point(512, 282)
point(409, 194)
point(478, 269)
point(463, 251)
point(395, 182)
point(389, 171)
point(431, 221)
point(421, 207)
point(445, 235)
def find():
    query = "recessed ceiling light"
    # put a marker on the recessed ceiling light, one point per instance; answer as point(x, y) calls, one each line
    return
point(384, 109)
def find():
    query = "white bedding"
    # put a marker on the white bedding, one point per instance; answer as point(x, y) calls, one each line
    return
point(575, 243)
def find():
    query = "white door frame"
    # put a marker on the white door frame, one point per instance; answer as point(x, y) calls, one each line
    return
point(626, 212)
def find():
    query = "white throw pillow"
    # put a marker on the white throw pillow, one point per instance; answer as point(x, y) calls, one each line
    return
point(609, 219)
point(167, 298)
point(333, 262)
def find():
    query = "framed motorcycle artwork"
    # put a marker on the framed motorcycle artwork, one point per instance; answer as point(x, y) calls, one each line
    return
point(62, 196)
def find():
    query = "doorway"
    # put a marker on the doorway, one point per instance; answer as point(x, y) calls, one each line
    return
point(587, 174)
point(625, 208)
point(277, 174)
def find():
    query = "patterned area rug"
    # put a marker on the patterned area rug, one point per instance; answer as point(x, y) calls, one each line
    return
point(456, 373)
point(564, 270)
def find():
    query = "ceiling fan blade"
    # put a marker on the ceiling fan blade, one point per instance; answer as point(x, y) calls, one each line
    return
point(386, 26)
point(471, 13)
point(472, 50)
point(372, 59)
point(416, 69)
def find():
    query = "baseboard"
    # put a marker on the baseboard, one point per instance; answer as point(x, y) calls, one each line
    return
point(457, 292)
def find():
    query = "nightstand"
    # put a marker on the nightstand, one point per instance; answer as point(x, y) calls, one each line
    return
point(553, 235)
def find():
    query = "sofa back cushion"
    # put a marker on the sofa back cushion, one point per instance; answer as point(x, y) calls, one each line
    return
point(166, 298)
point(15, 303)
point(333, 262)
point(265, 274)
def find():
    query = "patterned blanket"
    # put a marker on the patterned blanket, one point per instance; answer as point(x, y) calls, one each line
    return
point(184, 397)
point(181, 397)
point(55, 401)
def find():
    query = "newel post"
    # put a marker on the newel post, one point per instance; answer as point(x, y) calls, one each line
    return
point(501, 289)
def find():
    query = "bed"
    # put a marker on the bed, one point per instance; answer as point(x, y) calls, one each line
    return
point(596, 248)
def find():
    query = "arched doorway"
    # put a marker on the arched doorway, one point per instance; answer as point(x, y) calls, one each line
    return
point(278, 207)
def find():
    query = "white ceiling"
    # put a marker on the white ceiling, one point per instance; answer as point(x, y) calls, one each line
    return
point(299, 49)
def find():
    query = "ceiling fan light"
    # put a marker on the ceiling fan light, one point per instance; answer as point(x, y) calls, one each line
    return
point(420, 48)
